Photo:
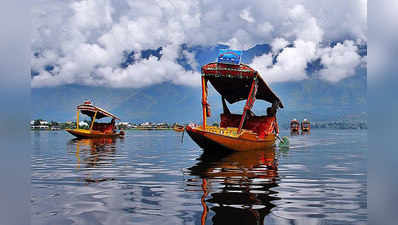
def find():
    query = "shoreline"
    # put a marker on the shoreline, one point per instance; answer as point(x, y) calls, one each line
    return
point(118, 130)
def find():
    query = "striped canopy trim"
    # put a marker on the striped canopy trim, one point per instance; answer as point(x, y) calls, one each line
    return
point(90, 111)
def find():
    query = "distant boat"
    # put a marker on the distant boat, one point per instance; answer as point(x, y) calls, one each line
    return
point(178, 128)
point(305, 125)
point(238, 132)
point(96, 130)
point(294, 125)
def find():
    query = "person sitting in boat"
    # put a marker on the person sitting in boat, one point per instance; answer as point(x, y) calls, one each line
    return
point(113, 126)
point(271, 113)
point(270, 124)
point(250, 113)
point(110, 128)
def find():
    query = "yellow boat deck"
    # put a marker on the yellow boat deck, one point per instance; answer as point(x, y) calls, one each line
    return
point(83, 133)
point(227, 131)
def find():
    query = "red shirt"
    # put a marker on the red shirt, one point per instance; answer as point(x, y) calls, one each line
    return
point(109, 129)
point(269, 126)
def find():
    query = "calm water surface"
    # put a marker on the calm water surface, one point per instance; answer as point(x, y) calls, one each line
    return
point(150, 177)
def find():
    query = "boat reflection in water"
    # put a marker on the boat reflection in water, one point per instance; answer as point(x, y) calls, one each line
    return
point(237, 185)
point(294, 133)
point(98, 153)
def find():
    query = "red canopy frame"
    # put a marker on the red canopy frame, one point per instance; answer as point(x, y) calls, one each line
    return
point(204, 101)
point(249, 103)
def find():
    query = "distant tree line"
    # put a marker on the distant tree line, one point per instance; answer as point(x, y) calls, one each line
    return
point(341, 125)
point(335, 125)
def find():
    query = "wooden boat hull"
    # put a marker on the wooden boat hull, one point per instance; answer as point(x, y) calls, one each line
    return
point(209, 140)
point(82, 133)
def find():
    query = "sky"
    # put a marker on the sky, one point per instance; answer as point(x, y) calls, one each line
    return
point(86, 42)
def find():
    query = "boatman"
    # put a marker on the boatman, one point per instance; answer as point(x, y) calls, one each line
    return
point(113, 125)
point(110, 127)
point(270, 125)
point(271, 114)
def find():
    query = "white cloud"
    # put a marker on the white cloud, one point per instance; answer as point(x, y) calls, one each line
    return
point(147, 72)
point(290, 65)
point(278, 44)
point(87, 40)
point(245, 15)
point(303, 25)
point(92, 14)
point(292, 61)
point(339, 62)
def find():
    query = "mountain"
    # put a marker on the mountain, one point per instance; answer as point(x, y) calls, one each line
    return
point(157, 103)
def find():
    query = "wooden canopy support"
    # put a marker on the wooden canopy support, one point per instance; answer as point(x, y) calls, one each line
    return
point(225, 107)
point(204, 101)
point(249, 103)
point(77, 119)
point(93, 120)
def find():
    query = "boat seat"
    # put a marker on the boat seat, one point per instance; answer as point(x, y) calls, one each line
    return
point(261, 125)
point(230, 120)
point(103, 127)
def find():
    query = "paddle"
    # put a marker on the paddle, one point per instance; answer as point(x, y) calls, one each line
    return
point(182, 137)
point(279, 138)
point(283, 142)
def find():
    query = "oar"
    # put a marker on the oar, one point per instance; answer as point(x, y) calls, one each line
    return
point(279, 138)
point(282, 142)
point(182, 137)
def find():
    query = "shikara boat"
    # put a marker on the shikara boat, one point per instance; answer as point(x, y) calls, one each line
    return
point(305, 125)
point(178, 128)
point(96, 130)
point(238, 132)
point(294, 125)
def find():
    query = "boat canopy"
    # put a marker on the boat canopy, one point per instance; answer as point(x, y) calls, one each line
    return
point(233, 82)
point(88, 109)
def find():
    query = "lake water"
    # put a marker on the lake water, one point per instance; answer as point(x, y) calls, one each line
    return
point(150, 177)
